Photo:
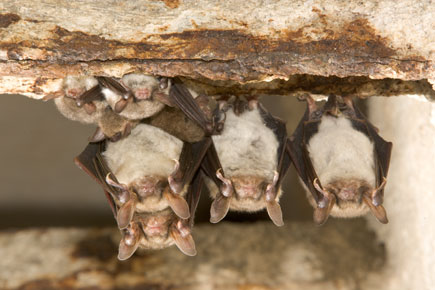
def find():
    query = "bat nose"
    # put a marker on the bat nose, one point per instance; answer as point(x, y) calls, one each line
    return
point(247, 191)
point(347, 194)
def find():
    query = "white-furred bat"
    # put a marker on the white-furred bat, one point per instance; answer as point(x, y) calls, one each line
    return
point(246, 160)
point(341, 160)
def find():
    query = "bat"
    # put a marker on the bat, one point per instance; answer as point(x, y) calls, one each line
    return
point(143, 175)
point(135, 96)
point(82, 99)
point(114, 106)
point(341, 160)
point(247, 157)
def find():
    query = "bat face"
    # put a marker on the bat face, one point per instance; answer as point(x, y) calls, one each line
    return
point(135, 96)
point(341, 160)
point(156, 231)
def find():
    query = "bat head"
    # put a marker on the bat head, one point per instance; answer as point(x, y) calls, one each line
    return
point(163, 229)
point(348, 198)
point(149, 186)
point(248, 193)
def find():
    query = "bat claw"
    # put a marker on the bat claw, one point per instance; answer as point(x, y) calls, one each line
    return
point(227, 188)
point(175, 186)
point(378, 211)
point(129, 243)
point(185, 243)
point(275, 213)
point(177, 204)
point(219, 208)
point(125, 213)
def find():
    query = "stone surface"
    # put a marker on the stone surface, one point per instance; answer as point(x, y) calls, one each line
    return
point(217, 40)
point(409, 122)
point(339, 255)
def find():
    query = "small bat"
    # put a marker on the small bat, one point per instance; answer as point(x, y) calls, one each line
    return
point(82, 99)
point(341, 160)
point(135, 96)
point(247, 158)
point(143, 174)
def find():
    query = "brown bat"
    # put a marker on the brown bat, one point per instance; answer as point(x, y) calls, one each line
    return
point(135, 96)
point(115, 106)
point(247, 159)
point(142, 175)
point(341, 160)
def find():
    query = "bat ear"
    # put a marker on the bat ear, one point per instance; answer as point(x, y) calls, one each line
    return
point(184, 242)
point(128, 244)
point(321, 214)
point(219, 208)
point(177, 204)
point(275, 213)
point(125, 214)
point(378, 211)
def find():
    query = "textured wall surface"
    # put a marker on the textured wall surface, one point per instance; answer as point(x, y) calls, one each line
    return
point(409, 122)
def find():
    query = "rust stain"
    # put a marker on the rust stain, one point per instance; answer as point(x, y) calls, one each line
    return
point(355, 48)
point(7, 19)
point(172, 3)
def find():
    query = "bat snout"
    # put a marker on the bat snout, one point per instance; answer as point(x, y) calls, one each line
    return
point(247, 187)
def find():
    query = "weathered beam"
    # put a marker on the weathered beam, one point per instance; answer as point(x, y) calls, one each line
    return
point(230, 256)
point(216, 40)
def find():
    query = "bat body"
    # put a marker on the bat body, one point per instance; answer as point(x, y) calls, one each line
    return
point(247, 159)
point(342, 161)
point(145, 177)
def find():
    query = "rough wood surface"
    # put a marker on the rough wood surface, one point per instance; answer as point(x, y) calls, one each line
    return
point(230, 256)
point(245, 41)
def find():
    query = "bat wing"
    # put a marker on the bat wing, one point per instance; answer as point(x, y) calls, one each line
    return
point(184, 100)
point(113, 85)
point(91, 162)
point(194, 194)
point(382, 147)
point(279, 129)
point(93, 94)
point(297, 148)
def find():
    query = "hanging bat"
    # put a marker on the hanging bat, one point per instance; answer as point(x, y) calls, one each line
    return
point(81, 99)
point(135, 96)
point(141, 204)
point(341, 160)
point(246, 160)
